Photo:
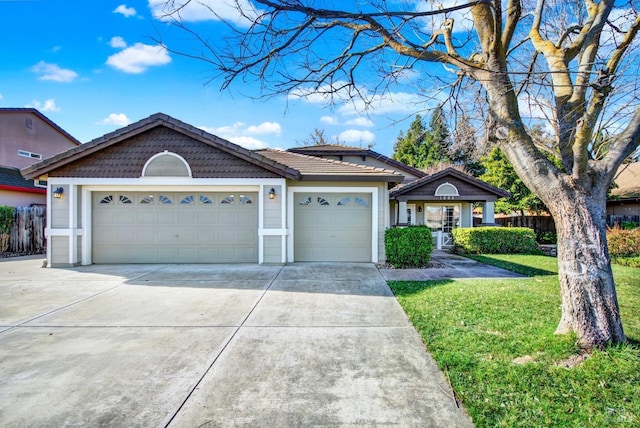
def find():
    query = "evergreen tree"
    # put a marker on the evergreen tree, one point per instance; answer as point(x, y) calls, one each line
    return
point(465, 148)
point(436, 144)
point(500, 173)
point(409, 148)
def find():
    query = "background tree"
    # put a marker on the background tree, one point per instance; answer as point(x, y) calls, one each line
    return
point(318, 138)
point(437, 139)
point(554, 59)
point(500, 173)
point(465, 148)
point(424, 147)
point(409, 148)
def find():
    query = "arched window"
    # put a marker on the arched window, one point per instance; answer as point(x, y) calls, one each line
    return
point(447, 189)
point(166, 164)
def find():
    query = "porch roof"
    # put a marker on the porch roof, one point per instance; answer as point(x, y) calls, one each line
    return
point(469, 188)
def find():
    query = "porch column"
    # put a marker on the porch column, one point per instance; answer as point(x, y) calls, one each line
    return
point(488, 213)
point(403, 219)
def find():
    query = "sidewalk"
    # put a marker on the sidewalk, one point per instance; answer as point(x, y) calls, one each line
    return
point(453, 266)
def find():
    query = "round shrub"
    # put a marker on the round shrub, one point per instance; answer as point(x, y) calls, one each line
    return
point(408, 247)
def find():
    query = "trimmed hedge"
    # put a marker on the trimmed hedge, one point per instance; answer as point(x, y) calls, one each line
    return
point(624, 243)
point(495, 240)
point(7, 215)
point(408, 247)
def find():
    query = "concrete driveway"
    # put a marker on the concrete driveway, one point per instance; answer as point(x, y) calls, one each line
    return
point(212, 345)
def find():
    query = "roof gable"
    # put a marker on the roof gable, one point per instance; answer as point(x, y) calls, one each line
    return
point(467, 185)
point(123, 153)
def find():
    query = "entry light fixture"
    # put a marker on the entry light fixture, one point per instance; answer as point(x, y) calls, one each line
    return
point(272, 193)
point(58, 192)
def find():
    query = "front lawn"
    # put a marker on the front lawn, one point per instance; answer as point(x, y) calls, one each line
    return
point(494, 340)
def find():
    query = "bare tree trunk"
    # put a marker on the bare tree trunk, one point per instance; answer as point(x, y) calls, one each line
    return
point(589, 300)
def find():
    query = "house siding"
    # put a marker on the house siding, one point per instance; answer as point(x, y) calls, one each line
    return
point(272, 208)
point(59, 250)
point(272, 249)
point(60, 210)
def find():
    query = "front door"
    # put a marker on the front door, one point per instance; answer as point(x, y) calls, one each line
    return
point(441, 219)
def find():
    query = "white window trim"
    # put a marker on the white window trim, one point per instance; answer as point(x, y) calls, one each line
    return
point(28, 154)
point(445, 185)
point(166, 153)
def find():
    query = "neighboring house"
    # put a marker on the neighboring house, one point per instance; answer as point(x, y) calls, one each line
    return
point(162, 191)
point(27, 136)
point(625, 198)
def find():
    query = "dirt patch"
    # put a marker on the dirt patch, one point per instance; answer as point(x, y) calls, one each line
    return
point(572, 361)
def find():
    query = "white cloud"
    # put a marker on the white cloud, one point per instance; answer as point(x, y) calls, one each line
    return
point(204, 10)
point(53, 72)
point(117, 42)
point(356, 136)
point(119, 119)
point(389, 103)
point(265, 128)
point(48, 105)
point(137, 58)
point(241, 134)
point(360, 121)
point(248, 142)
point(125, 11)
point(329, 120)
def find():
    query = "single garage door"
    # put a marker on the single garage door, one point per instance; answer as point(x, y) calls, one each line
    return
point(332, 227)
point(166, 227)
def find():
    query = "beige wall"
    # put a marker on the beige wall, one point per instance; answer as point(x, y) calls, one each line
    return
point(21, 199)
point(41, 138)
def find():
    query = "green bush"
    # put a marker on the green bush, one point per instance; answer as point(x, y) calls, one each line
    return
point(624, 243)
point(7, 215)
point(408, 247)
point(495, 240)
point(633, 262)
point(548, 238)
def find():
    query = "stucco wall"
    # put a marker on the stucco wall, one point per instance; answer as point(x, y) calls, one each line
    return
point(21, 199)
point(40, 138)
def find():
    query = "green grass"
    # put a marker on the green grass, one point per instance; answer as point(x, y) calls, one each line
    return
point(477, 329)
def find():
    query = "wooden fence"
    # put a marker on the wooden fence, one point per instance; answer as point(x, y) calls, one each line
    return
point(618, 220)
point(27, 235)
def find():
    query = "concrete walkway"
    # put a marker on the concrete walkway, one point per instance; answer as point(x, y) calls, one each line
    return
point(450, 266)
point(212, 345)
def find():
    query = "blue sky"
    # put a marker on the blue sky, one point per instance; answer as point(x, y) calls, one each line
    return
point(93, 66)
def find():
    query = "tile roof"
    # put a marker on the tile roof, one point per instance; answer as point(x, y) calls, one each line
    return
point(627, 180)
point(337, 150)
point(312, 167)
point(10, 178)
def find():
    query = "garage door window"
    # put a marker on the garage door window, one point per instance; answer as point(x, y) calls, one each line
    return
point(107, 199)
point(149, 199)
point(124, 199)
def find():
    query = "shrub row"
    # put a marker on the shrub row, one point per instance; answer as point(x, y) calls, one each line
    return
point(408, 247)
point(495, 240)
point(624, 243)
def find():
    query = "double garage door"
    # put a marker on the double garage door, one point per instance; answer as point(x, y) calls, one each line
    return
point(332, 227)
point(171, 227)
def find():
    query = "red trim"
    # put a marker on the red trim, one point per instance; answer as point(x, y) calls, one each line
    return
point(23, 189)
